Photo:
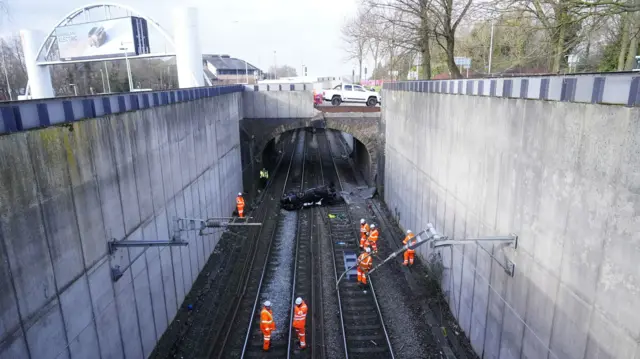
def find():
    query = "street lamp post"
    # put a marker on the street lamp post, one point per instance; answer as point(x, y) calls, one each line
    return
point(106, 72)
point(104, 87)
point(126, 59)
point(490, 48)
point(275, 66)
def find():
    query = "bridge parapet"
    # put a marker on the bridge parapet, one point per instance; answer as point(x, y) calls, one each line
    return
point(278, 101)
point(24, 115)
point(610, 88)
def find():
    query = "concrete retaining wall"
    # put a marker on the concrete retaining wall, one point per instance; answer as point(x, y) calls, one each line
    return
point(564, 177)
point(65, 191)
point(278, 101)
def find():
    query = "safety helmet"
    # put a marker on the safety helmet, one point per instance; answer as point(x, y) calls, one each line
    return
point(362, 221)
point(267, 303)
point(368, 249)
point(408, 231)
point(298, 301)
point(239, 193)
point(373, 226)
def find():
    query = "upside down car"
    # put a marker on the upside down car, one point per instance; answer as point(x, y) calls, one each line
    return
point(318, 196)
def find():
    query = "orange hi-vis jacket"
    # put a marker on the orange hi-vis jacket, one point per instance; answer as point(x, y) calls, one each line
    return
point(365, 261)
point(267, 324)
point(300, 315)
point(407, 239)
point(364, 230)
point(373, 236)
point(240, 201)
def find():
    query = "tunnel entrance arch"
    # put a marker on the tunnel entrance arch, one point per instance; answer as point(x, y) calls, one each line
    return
point(364, 127)
point(356, 150)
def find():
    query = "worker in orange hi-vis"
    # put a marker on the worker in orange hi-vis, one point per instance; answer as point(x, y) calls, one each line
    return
point(409, 254)
point(364, 232)
point(267, 324)
point(365, 262)
point(300, 320)
point(240, 204)
point(373, 238)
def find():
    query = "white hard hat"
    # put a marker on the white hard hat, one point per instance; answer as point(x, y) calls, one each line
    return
point(408, 231)
point(362, 221)
point(368, 249)
point(373, 226)
point(267, 303)
point(239, 193)
point(298, 301)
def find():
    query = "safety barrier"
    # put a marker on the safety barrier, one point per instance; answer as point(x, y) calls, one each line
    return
point(24, 115)
point(279, 87)
point(612, 88)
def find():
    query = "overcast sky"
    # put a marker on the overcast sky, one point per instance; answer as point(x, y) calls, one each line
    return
point(300, 31)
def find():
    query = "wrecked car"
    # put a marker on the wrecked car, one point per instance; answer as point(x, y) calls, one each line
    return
point(318, 196)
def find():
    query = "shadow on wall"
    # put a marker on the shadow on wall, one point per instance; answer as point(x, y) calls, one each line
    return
point(563, 176)
point(498, 329)
point(65, 191)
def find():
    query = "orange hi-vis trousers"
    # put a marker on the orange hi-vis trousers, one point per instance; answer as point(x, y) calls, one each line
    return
point(241, 211)
point(362, 277)
point(409, 255)
point(267, 339)
point(301, 337)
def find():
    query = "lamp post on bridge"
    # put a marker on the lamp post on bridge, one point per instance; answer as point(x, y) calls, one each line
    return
point(126, 59)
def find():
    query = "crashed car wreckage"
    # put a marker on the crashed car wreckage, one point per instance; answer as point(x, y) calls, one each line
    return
point(318, 196)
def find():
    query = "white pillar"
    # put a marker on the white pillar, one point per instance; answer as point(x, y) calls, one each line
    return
point(39, 77)
point(188, 50)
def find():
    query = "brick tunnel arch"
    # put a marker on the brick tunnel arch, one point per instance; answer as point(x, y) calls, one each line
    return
point(363, 133)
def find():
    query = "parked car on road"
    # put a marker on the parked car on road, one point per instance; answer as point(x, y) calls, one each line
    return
point(352, 93)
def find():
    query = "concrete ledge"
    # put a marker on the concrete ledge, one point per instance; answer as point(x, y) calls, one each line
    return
point(613, 89)
point(25, 115)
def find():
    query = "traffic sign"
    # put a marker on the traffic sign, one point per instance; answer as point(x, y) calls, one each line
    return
point(463, 62)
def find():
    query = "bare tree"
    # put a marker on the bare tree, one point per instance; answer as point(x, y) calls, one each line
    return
point(375, 33)
point(282, 71)
point(355, 37)
point(447, 15)
point(410, 21)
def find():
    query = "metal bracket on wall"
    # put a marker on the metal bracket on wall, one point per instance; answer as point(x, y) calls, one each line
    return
point(510, 240)
point(196, 224)
point(114, 245)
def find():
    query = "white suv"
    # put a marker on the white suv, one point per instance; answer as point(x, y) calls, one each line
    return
point(351, 93)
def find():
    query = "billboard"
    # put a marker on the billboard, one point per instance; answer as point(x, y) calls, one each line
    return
point(101, 39)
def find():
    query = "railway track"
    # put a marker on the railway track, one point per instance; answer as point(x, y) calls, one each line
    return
point(229, 340)
point(363, 328)
point(306, 276)
point(450, 345)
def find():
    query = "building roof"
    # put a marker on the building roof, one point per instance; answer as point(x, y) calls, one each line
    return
point(225, 62)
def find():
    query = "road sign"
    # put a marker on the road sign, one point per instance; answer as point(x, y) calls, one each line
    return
point(462, 62)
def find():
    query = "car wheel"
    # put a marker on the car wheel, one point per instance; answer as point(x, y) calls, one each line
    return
point(336, 101)
point(372, 101)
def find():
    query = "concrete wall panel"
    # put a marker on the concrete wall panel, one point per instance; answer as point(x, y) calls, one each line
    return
point(564, 177)
point(23, 228)
point(46, 335)
point(66, 191)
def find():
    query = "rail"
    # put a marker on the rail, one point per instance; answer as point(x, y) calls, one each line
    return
point(246, 348)
point(304, 279)
point(248, 265)
point(366, 352)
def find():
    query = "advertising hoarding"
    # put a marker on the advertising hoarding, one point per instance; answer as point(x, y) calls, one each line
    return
point(100, 39)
